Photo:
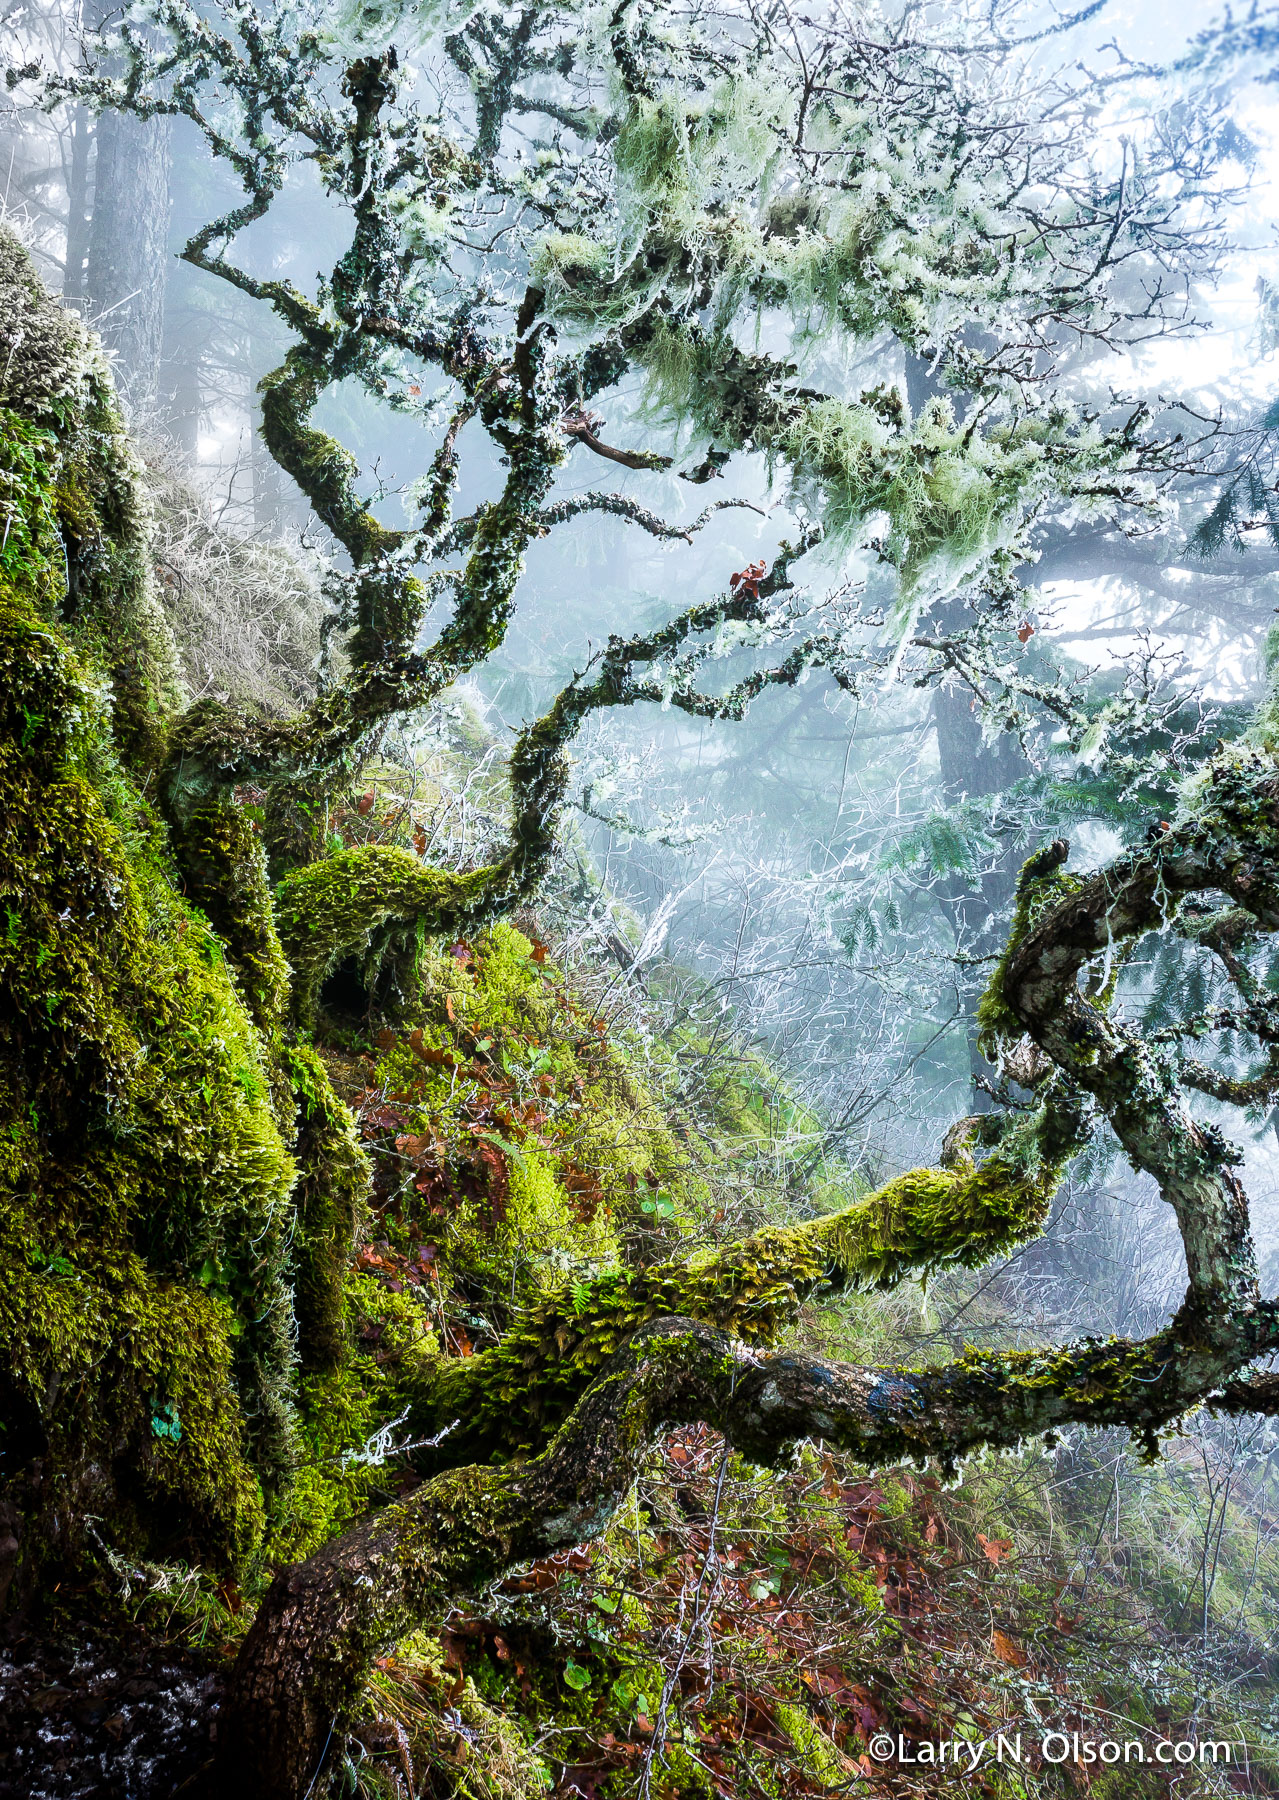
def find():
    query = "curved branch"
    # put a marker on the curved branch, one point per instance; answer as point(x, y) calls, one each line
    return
point(345, 903)
point(323, 1621)
point(509, 1398)
point(623, 507)
point(579, 429)
point(1229, 844)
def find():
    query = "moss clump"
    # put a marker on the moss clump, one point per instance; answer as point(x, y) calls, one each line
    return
point(328, 1200)
point(225, 872)
point(1042, 884)
point(542, 1228)
point(929, 1219)
point(352, 905)
point(819, 1758)
point(28, 515)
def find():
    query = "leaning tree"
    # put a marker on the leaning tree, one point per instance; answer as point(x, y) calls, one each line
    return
point(686, 208)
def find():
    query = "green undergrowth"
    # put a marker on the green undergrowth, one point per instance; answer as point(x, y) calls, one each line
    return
point(770, 1629)
point(542, 1142)
point(513, 1147)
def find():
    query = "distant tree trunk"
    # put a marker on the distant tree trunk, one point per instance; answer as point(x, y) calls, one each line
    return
point(78, 205)
point(970, 768)
point(127, 259)
point(186, 398)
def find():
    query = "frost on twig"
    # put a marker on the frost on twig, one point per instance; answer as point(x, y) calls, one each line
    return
point(382, 1448)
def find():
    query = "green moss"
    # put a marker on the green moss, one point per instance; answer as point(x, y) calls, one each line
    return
point(928, 1219)
point(818, 1757)
point(328, 1199)
point(544, 1141)
point(28, 514)
point(57, 403)
point(1040, 886)
point(383, 1339)
point(510, 1397)
point(540, 1226)
point(351, 905)
point(224, 872)
point(145, 1182)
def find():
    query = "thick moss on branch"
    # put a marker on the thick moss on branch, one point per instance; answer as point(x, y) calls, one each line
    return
point(368, 902)
point(507, 1399)
point(333, 1181)
point(342, 906)
point(225, 873)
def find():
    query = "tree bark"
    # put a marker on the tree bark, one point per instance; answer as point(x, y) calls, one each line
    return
point(323, 1621)
point(126, 266)
point(78, 204)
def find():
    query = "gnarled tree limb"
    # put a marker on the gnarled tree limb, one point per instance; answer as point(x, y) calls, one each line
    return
point(607, 1374)
point(324, 1621)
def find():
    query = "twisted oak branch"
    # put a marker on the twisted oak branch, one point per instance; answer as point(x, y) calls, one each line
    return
point(509, 1399)
point(323, 1621)
point(1228, 843)
point(614, 1374)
